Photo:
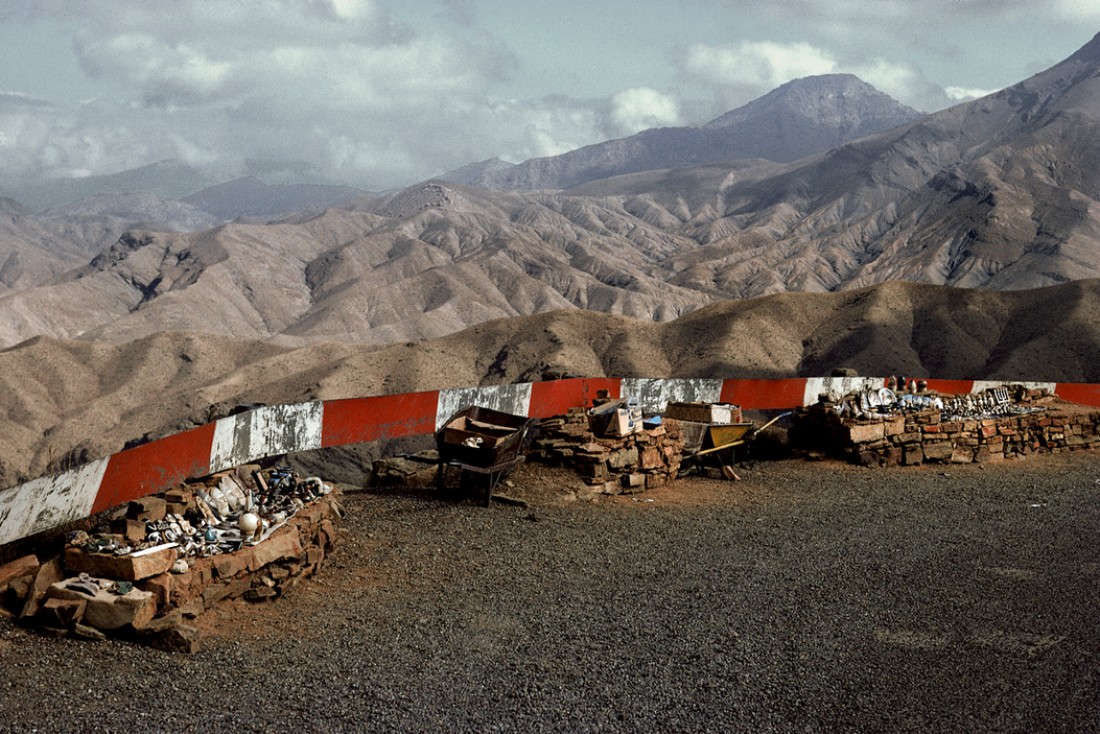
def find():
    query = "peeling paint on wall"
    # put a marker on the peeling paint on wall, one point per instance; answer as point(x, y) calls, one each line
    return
point(983, 385)
point(656, 394)
point(839, 386)
point(45, 503)
point(267, 431)
point(514, 399)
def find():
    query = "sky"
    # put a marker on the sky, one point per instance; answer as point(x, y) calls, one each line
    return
point(385, 93)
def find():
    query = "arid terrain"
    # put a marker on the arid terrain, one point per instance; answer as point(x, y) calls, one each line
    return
point(821, 226)
point(807, 597)
point(75, 400)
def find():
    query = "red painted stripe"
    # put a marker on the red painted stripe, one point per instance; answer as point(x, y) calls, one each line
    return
point(360, 420)
point(155, 466)
point(951, 387)
point(764, 394)
point(556, 397)
point(1078, 392)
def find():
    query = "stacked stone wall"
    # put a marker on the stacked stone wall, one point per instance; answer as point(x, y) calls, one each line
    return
point(925, 437)
point(627, 464)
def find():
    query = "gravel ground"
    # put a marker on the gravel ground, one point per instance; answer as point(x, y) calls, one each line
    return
point(808, 597)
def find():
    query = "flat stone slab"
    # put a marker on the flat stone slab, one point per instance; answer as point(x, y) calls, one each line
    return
point(109, 611)
point(132, 567)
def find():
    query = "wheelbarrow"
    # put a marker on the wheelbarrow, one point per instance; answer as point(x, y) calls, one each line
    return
point(719, 442)
point(482, 441)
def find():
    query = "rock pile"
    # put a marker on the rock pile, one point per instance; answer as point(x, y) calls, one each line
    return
point(949, 429)
point(151, 577)
point(646, 458)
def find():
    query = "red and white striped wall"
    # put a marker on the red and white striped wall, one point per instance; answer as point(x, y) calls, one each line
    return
point(48, 502)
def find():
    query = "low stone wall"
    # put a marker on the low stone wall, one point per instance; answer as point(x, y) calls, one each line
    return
point(924, 437)
point(99, 595)
point(609, 464)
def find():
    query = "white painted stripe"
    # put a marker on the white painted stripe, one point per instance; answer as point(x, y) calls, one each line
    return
point(48, 502)
point(838, 386)
point(514, 399)
point(655, 394)
point(983, 385)
point(229, 433)
point(267, 431)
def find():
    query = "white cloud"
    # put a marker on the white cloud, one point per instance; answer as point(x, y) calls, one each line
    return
point(962, 94)
point(640, 108)
point(755, 64)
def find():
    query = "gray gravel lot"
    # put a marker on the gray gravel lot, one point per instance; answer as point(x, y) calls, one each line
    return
point(808, 597)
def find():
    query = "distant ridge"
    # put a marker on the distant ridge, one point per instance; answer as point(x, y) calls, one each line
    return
point(166, 382)
point(250, 197)
point(801, 117)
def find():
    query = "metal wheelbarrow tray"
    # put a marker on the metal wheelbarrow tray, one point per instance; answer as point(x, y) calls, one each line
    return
point(483, 441)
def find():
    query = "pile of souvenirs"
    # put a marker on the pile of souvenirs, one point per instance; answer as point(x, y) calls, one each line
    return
point(914, 397)
point(220, 518)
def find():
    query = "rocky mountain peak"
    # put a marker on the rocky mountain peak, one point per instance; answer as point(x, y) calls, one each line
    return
point(837, 99)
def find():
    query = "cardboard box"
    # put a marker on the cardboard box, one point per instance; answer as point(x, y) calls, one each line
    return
point(620, 417)
point(625, 422)
point(717, 413)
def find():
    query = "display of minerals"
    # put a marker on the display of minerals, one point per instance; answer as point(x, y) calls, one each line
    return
point(228, 510)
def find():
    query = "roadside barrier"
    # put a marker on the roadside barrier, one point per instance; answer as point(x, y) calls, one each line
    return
point(48, 502)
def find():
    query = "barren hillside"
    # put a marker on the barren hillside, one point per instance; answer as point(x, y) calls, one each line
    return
point(73, 400)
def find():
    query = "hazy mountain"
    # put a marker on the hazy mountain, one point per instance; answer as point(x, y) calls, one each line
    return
point(472, 173)
point(250, 197)
point(11, 206)
point(1000, 192)
point(134, 210)
point(800, 118)
point(169, 179)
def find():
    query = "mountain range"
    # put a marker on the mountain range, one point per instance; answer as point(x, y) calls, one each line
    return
point(735, 267)
point(68, 401)
point(799, 118)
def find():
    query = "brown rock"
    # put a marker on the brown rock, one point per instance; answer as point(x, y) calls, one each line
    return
point(938, 451)
point(228, 565)
point(237, 587)
point(866, 432)
point(24, 566)
point(147, 509)
point(284, 543)
point(132, 530)
point(651, 458)
point(48, 574)
point(182, 638)
point(962, 455)
point(652, 481)
point(108, 611)
point(161, 588)
point(623, 458)
point(328, 530)
point(260, 593)
point(132, 567)
point(214, 593)
point(895, 426)
point(62, 612)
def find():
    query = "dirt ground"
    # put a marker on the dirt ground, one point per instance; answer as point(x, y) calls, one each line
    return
point(810, 596)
